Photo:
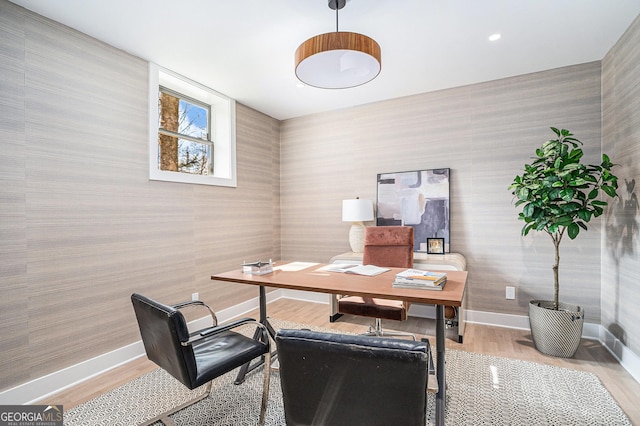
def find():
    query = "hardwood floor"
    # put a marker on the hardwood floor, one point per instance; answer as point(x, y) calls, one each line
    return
point(591, 355)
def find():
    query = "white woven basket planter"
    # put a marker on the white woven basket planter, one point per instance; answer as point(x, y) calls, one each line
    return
point(556, 333)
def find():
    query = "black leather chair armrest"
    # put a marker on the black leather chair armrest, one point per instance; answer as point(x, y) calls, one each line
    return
point(227, 326)
point(212, 331)
point(194, 303)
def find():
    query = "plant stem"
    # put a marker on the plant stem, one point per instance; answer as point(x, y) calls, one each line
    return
point(556, 237)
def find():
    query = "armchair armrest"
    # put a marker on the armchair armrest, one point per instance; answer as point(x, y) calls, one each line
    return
point(217, 329)
point(193, 303)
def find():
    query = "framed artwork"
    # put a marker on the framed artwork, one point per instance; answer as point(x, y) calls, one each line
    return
point(435, 245)
point(419, 199)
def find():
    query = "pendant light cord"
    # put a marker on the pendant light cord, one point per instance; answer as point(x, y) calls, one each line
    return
point(337, 18)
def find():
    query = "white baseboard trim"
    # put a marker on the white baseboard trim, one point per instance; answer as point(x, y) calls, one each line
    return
point(521, 322)
point(42, 387)
point(628, 359)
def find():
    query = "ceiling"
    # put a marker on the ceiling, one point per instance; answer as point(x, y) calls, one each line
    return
point(245, 48)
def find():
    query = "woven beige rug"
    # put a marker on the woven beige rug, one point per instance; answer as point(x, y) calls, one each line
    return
point(482, 390)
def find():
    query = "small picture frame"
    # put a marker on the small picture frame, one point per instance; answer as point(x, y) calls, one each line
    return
point(435, 245)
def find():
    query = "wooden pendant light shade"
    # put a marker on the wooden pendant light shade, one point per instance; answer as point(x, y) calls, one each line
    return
point(338, 60)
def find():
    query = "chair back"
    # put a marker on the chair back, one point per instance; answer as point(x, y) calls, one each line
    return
point(163, 329)
point(390, 246)
point(329, 378)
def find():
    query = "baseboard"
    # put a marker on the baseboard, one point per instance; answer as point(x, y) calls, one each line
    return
point(42, 387)
point(627, 358)
point(521, 322)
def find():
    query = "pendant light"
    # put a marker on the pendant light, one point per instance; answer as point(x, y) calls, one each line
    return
point(338, 60)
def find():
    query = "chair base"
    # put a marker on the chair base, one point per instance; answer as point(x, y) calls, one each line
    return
point(167, 421)
point(376, 330)
point(164, 417)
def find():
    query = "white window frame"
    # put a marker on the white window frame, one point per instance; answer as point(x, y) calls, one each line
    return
point(223, 127)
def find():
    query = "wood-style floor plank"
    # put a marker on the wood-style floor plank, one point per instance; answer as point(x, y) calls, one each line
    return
point(509, 343)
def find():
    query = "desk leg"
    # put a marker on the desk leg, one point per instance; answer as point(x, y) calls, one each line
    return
point(440, 366)
point(258, 335)
point(263, 313)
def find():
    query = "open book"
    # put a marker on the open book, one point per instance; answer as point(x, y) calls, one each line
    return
point(368, 270)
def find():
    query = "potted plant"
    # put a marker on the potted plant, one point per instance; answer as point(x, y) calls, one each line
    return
point(559, 194)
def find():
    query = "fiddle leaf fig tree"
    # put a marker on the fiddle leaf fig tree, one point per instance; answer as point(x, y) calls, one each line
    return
point(560, 194)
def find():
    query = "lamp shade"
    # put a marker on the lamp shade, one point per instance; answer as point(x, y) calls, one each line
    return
point(338, 60)
point(357, 210)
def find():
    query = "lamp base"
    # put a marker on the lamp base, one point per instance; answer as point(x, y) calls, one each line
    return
point(356, 237)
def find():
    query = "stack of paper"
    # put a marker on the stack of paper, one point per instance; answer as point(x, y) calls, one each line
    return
point(418, 278)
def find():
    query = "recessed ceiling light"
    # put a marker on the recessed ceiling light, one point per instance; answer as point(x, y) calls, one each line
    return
point(494, 37)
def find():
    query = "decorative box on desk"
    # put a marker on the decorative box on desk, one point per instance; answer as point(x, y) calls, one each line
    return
point(421, 260)
point(257, 268)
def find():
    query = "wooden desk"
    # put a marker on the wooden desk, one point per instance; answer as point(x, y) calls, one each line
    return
point(379, 286)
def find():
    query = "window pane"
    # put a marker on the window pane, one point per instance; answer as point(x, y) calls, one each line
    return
point(189, 157)
point(193, 157)
point(193, 120)
point(168, 115)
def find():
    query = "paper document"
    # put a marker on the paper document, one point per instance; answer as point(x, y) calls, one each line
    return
point(294, 266)
point(368, 270)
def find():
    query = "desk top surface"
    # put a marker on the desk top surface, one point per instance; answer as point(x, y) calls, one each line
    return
point(310, 278)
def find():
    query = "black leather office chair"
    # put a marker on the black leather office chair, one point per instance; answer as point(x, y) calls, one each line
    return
point(336, 379)
point(199, 357)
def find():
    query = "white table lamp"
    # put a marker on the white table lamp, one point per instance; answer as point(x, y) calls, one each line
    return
point(357, 211)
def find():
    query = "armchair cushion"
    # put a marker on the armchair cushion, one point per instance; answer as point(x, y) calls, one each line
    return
point(390, 246)
point(374, 308)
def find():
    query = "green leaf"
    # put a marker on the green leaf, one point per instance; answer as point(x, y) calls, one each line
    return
point(584, 215)
point(528, 210)
point(557, 163)
point(578, 182)
point(566, 194)
point(564, 221)
point(573, 230)
point(610, 191)
point(522, 193)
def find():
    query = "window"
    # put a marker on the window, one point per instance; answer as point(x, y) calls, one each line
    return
point(183, 134)
point(192, 131)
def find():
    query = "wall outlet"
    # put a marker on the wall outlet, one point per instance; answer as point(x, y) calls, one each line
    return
point(194, 296)
point(511, 293)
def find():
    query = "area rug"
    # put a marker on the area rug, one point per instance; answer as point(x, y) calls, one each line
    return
point(481, 390)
